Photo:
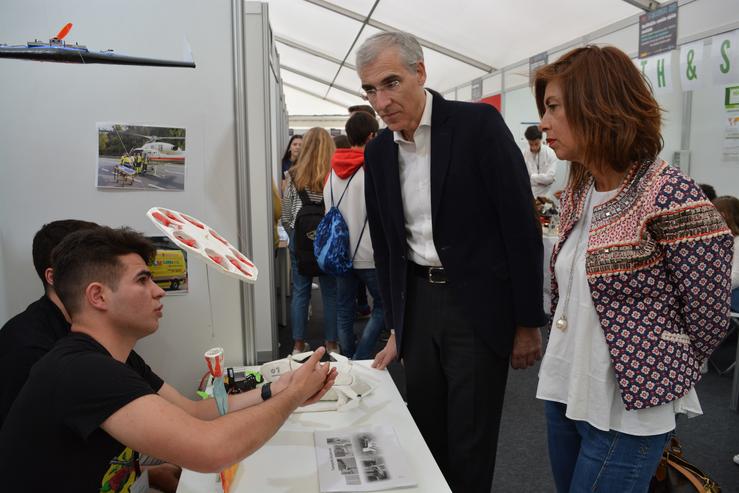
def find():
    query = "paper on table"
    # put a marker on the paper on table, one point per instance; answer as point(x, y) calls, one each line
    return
point(361, 459)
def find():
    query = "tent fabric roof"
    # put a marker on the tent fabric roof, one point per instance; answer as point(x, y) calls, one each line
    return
point(496, 33)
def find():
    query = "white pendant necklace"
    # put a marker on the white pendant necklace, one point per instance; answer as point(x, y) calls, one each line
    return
point(561, 322)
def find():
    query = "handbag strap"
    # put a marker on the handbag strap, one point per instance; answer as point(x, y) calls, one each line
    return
point(698, 480)
point(359, 241)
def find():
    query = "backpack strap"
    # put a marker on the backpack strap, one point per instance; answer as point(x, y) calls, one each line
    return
point(305, 199)
point(359, 241)
point(345, 188)
point(331, 186)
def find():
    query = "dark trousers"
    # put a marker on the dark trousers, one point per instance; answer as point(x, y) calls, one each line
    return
point(455, 385)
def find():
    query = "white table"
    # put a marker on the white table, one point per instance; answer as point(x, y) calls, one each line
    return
point(287, 463)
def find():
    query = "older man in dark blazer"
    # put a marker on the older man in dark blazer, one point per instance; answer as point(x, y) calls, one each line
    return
point(458, 255)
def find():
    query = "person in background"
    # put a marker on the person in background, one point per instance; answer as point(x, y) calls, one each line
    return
point(362, 107)
point(309, 174)
point(728, 206)
point(464, 301)
point(276, 215)
point(640, 278)
point(291, 156)
point(341, 142)
point(28, 336)
point(363, 310)
point(91, 404)
point(292, 152)
point(347, 181)
point(540, 161)
point(708, 190)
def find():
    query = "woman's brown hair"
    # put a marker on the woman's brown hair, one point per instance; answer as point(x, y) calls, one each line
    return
point(312, 167)
point(609, 107)
point(728, 206)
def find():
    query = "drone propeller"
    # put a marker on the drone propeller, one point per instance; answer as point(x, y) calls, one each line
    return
point(64, 31)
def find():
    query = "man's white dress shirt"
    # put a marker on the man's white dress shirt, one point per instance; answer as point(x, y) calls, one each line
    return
point(414, 160)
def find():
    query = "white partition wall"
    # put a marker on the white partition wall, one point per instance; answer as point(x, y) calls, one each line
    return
point(257, 125)
point(48, 153)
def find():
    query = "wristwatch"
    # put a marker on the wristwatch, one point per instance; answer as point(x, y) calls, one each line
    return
point(266, 391)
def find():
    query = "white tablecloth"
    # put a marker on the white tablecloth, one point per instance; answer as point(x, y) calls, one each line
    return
point(287, 463)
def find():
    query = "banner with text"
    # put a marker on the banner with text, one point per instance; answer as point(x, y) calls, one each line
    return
point(658, 69)
point(698, 66)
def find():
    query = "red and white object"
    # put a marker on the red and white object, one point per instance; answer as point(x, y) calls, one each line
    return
point(197, 238)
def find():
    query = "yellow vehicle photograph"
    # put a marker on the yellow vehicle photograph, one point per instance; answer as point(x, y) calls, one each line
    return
point(169, 268)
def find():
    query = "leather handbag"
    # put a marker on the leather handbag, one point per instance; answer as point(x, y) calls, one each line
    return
point(676, 475)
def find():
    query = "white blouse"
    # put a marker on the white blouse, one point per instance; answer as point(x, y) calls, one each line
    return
point(576, 369)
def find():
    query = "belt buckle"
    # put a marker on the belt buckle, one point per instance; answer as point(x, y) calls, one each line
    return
point(437, 270)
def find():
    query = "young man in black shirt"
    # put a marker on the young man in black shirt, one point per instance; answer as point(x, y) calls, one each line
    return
point(28, 336)
point(25, 338)
point(91, 401)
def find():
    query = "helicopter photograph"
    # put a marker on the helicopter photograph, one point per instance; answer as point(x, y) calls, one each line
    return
point(137, 157)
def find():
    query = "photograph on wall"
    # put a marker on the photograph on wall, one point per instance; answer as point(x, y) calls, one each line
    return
point(169, 268)
point(137, 157)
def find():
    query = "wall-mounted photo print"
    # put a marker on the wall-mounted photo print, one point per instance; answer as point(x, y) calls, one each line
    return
point(169, 268)
point(135, 157)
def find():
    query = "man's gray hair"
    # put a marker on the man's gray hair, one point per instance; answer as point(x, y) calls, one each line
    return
point(408, 46)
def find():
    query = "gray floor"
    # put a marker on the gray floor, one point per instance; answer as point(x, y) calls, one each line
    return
point(709, 441)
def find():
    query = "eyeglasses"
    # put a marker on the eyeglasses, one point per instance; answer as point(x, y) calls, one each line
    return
point(390, 87)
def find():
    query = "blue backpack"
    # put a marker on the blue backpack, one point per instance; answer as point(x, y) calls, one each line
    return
point(331, 246)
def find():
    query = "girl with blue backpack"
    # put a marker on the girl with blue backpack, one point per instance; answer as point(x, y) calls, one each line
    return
point(353, 262)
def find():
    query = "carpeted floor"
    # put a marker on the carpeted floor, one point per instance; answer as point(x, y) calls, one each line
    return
point(709, 441)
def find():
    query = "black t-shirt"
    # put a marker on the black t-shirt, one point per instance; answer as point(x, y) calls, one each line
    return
point(51, 439)
point(24, 340)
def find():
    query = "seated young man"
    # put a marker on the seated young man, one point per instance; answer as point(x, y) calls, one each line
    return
point(25, 338)
point(92, 401)
point(28, 336)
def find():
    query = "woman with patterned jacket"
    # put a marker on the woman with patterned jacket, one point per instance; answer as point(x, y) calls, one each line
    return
point(640, 278)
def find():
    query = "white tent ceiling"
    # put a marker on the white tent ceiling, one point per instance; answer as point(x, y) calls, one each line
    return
point(494, 33)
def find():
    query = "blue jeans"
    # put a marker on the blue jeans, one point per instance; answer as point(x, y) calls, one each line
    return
point(346, 292)
point(301, 299)
point(586, 459)
point(735, 297)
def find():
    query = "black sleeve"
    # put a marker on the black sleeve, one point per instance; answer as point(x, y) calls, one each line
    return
point(14, 368)
point(93, 387)
point(377, 234)
point(137, 363)
point(506, 180)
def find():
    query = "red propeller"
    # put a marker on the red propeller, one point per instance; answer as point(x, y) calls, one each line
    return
point(64, 31)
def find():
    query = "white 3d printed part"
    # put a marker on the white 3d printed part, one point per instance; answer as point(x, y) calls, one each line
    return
point(346, 392)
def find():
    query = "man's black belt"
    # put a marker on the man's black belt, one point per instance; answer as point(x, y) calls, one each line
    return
point(434, 275)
